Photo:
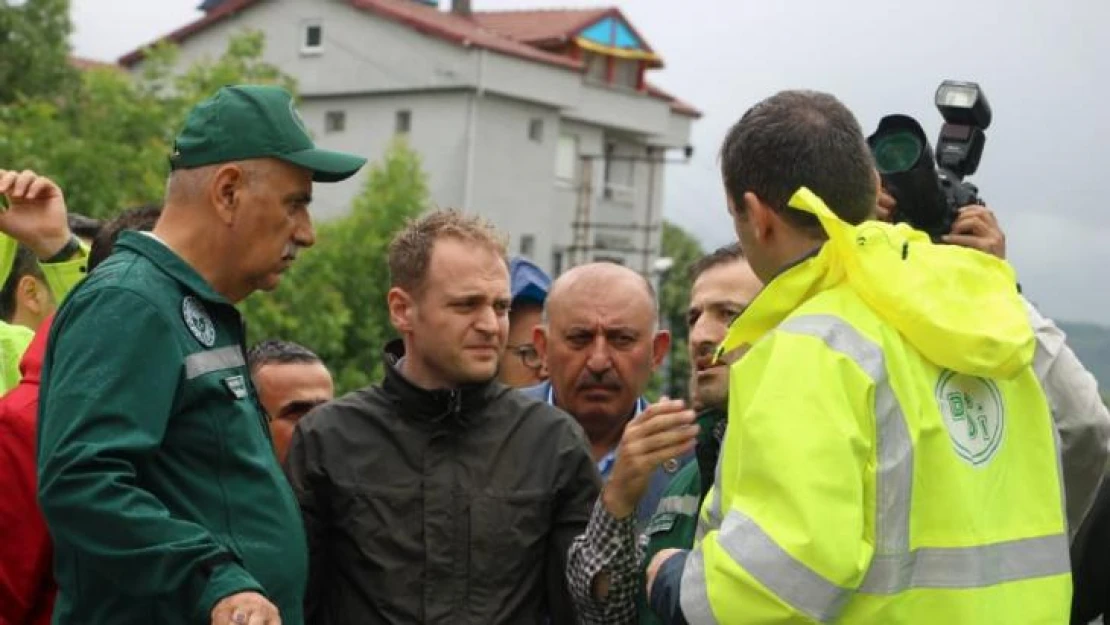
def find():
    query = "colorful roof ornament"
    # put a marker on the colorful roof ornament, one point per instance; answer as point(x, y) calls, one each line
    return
point(613, 36)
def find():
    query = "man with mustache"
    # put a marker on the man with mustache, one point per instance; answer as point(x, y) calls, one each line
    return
point(157, 476)
point(723, 285)
point(601, 343)
point(441, 495)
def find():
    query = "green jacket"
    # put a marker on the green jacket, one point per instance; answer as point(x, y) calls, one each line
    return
point(60, 277)
point(676, 519)
point(157, 476)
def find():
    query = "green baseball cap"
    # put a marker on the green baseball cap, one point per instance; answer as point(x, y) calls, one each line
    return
point(243, 122)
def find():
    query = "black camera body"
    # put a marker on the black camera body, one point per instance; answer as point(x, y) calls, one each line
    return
point(930, 192)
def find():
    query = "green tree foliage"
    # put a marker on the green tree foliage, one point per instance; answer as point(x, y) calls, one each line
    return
point(34, 50)
point(334, 298)
point(106, 141)
point(674, 298)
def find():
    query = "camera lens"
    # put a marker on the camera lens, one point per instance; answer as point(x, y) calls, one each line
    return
point(896, 152)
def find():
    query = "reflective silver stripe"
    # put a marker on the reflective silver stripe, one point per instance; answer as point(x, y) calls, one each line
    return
point(793, 582)
point(894, 449)
point(968, 567)
point(200, 363)
point(894, 568)
point(685, 504)
point(694, 597)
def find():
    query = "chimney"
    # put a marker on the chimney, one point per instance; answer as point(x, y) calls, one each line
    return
point(461, 7)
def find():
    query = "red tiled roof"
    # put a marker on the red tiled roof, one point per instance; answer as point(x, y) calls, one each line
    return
point(225, 10)
point(459, 29)
point(678, 106)
point(546, 28)
point(514, 33)
point(82, 63)
point(539, 27)
point(428, 20)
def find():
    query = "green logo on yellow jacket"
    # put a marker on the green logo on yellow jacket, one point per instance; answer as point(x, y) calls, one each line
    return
point(973, 413)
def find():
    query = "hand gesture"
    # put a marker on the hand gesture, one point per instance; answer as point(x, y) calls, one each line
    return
point(36, 212)
point(663, 431)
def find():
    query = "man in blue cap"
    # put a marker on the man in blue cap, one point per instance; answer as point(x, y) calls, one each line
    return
point(522, 365)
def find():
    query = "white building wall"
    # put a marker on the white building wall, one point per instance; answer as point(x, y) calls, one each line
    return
point(437, 134)
point(471, 112)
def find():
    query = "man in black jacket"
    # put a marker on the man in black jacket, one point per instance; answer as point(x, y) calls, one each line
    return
point(440, 495)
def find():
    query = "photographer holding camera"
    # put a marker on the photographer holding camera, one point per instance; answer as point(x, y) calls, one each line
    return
point(933, 196)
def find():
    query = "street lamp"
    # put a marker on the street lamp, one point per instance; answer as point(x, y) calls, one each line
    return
point(662, 265)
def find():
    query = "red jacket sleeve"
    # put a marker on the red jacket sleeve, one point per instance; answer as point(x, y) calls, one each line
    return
point(26, 579)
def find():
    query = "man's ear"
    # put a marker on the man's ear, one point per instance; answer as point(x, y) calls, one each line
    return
point(401, 309)
point(660, 345)
point(539, 340)
point(225, 191)
point(33, 295)
point(762, 217)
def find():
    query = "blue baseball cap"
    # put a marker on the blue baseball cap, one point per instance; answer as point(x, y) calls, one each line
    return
point(528, 281)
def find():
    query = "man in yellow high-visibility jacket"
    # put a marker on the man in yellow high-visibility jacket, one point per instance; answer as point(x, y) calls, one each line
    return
point(896, 461)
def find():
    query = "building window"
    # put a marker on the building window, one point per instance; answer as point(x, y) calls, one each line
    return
point(602, 258)
point(312, 41)
point(566, 158)
point(619, 174)
point(626, 74)
point(403, 124)
point(535, 130)
point(527, 245)
point(335, 121)
point(556, 262)
point(597, 67)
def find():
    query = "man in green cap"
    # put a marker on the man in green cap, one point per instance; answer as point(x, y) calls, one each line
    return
point(157, 477)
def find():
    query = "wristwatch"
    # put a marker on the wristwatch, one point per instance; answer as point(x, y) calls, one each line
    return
point(67, 252)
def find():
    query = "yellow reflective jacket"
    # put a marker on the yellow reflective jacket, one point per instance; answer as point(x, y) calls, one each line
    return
point(60, 277)
point(890, 456)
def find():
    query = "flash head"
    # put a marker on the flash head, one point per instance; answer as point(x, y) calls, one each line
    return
point(964, 104)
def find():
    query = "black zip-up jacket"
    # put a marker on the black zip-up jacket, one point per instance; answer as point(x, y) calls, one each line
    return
point(446, 506)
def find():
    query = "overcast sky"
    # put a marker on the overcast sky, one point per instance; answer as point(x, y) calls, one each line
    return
point(1044, 66)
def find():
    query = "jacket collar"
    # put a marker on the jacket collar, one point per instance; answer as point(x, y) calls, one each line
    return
point(170, 263)
point(789, 289)
point(459, 406)
point(30, 366)
point(713, 423)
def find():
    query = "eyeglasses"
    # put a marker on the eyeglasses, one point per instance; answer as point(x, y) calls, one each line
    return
point(528, 355)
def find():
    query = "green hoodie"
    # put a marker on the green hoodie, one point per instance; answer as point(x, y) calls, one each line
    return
point(157, 476)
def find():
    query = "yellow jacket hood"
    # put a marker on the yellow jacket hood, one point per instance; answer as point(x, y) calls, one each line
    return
point(959, 307)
